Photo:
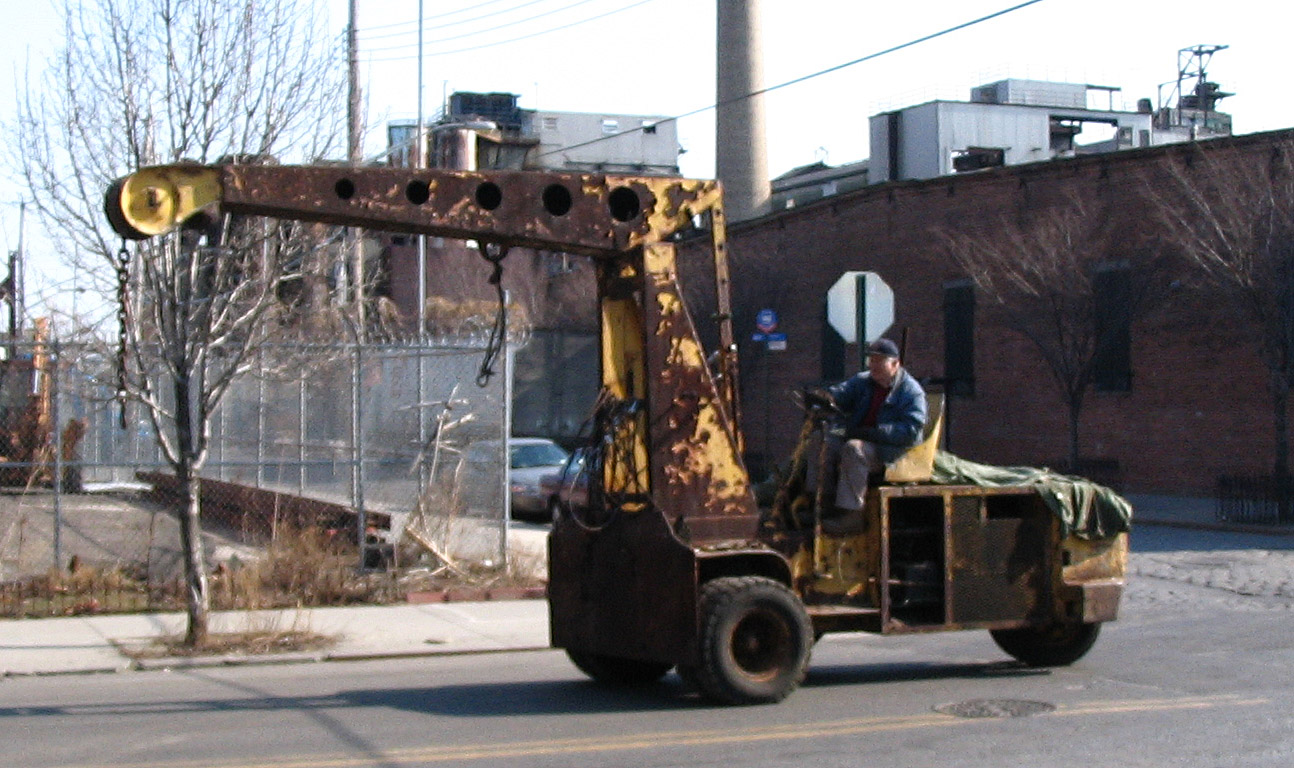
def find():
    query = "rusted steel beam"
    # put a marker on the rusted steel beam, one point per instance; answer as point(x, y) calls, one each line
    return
point(591, 214)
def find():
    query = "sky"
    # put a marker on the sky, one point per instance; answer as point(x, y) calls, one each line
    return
point(657, 57)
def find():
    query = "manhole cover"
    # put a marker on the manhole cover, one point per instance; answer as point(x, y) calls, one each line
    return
point(995, 708)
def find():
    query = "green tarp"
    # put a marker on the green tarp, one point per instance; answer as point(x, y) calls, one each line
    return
point(1086, 510)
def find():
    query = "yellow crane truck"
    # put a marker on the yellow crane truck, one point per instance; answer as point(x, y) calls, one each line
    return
point(673, 564)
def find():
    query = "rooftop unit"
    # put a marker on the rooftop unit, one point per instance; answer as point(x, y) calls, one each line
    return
point(1032, 93)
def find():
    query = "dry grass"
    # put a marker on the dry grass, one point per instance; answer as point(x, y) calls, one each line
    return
point(234, 644)
point(299, 567)
point(262, 633)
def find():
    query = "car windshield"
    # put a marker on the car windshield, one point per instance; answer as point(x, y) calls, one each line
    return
point(537, 455)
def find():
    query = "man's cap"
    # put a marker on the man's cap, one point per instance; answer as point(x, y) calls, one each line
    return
point(883, 347)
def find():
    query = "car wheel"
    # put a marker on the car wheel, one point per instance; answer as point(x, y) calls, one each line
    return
point(554, 509)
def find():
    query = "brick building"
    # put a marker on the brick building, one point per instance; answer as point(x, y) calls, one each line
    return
point(1193, 404)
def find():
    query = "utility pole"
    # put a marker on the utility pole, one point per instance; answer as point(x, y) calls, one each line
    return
point(420, 162)
point(15, 286)
point(354, 150)
point(354, 154)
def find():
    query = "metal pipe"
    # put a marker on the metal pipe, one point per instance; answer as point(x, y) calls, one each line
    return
point(58, 459)
point(507, 434)
point(357, 453)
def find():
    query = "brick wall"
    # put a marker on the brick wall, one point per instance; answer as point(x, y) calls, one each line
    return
point(1198, 406)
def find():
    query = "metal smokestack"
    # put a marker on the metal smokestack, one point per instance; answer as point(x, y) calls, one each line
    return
point(741, 152)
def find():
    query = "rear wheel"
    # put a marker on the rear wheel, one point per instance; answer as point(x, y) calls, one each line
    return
point(1056, 645)
point(617, 671)
point(754, 641)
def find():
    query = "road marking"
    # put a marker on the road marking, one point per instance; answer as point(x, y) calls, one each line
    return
point(656, 740)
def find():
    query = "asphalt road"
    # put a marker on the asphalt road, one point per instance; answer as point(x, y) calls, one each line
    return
point(1199, 671)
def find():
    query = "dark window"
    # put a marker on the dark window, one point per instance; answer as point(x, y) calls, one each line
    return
point(959, 338)
point(976, 158)
point(1112, 361)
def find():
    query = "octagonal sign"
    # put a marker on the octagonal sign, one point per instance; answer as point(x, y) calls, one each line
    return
point(860, 302)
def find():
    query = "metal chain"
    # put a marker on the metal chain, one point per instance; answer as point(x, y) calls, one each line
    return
point(498, 333)
point(123, 315)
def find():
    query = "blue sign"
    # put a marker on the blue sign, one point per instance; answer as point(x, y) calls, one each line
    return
point(766, 320)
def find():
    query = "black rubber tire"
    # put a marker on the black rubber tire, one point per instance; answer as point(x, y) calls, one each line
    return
point(1058, 645)
point(754, 642)
point(554, 509)
point(616, 671)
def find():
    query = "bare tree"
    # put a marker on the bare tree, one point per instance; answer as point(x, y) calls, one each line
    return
point(1070, 283)
point(1233, 219)
point(140, 82)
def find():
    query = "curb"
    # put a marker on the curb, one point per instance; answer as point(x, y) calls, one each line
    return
point(123, 667)
point(208, 662)
point(1263, 530)
point(475, 594)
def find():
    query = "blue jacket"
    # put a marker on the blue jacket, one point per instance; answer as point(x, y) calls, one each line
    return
point(900, 422)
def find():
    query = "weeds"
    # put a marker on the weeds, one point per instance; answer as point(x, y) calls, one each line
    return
point(262, 633)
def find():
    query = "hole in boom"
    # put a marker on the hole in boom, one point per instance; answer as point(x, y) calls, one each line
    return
point(557, 200)
point(623, 204)
point(489, 196)
point(418, 192)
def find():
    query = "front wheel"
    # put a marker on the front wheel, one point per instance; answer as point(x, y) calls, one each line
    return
point(754, 642)
point(617, 671)
point(1057, 645)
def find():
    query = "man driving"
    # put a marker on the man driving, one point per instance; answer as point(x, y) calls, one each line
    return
point(885, 413)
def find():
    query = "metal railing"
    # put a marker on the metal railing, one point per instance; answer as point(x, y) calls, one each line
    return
point(1256, 499)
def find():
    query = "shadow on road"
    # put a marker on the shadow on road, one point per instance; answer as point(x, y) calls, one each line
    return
point(871, 674)
point(564, 697)
point(555, 697)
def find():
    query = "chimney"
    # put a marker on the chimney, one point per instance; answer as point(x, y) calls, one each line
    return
point(741, 153)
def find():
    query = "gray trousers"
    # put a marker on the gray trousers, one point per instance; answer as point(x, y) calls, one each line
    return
point(848, 464)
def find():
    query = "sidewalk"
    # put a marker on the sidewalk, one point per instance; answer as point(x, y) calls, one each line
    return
point(1195, 512)
point(89, 644)
point(86, 644)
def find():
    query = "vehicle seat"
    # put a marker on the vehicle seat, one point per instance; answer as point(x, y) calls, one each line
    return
point(917, 464)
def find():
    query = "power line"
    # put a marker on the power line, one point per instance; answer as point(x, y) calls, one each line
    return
point(363, 33)
point(414, 22)
point(515, 39)
point(798, 80)
point(491, 29)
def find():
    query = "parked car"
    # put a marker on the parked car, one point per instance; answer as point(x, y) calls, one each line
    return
point(530, 458)
point(567, 488)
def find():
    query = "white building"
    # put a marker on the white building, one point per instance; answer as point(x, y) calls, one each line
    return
point(489, 130)
point(1011, 122)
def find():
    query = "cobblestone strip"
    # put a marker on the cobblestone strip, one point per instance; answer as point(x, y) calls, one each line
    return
point(1251, 573)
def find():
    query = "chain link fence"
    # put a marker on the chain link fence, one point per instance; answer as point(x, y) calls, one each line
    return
point(334, 462)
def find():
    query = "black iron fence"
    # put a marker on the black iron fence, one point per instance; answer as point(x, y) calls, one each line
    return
point(1256, 500)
